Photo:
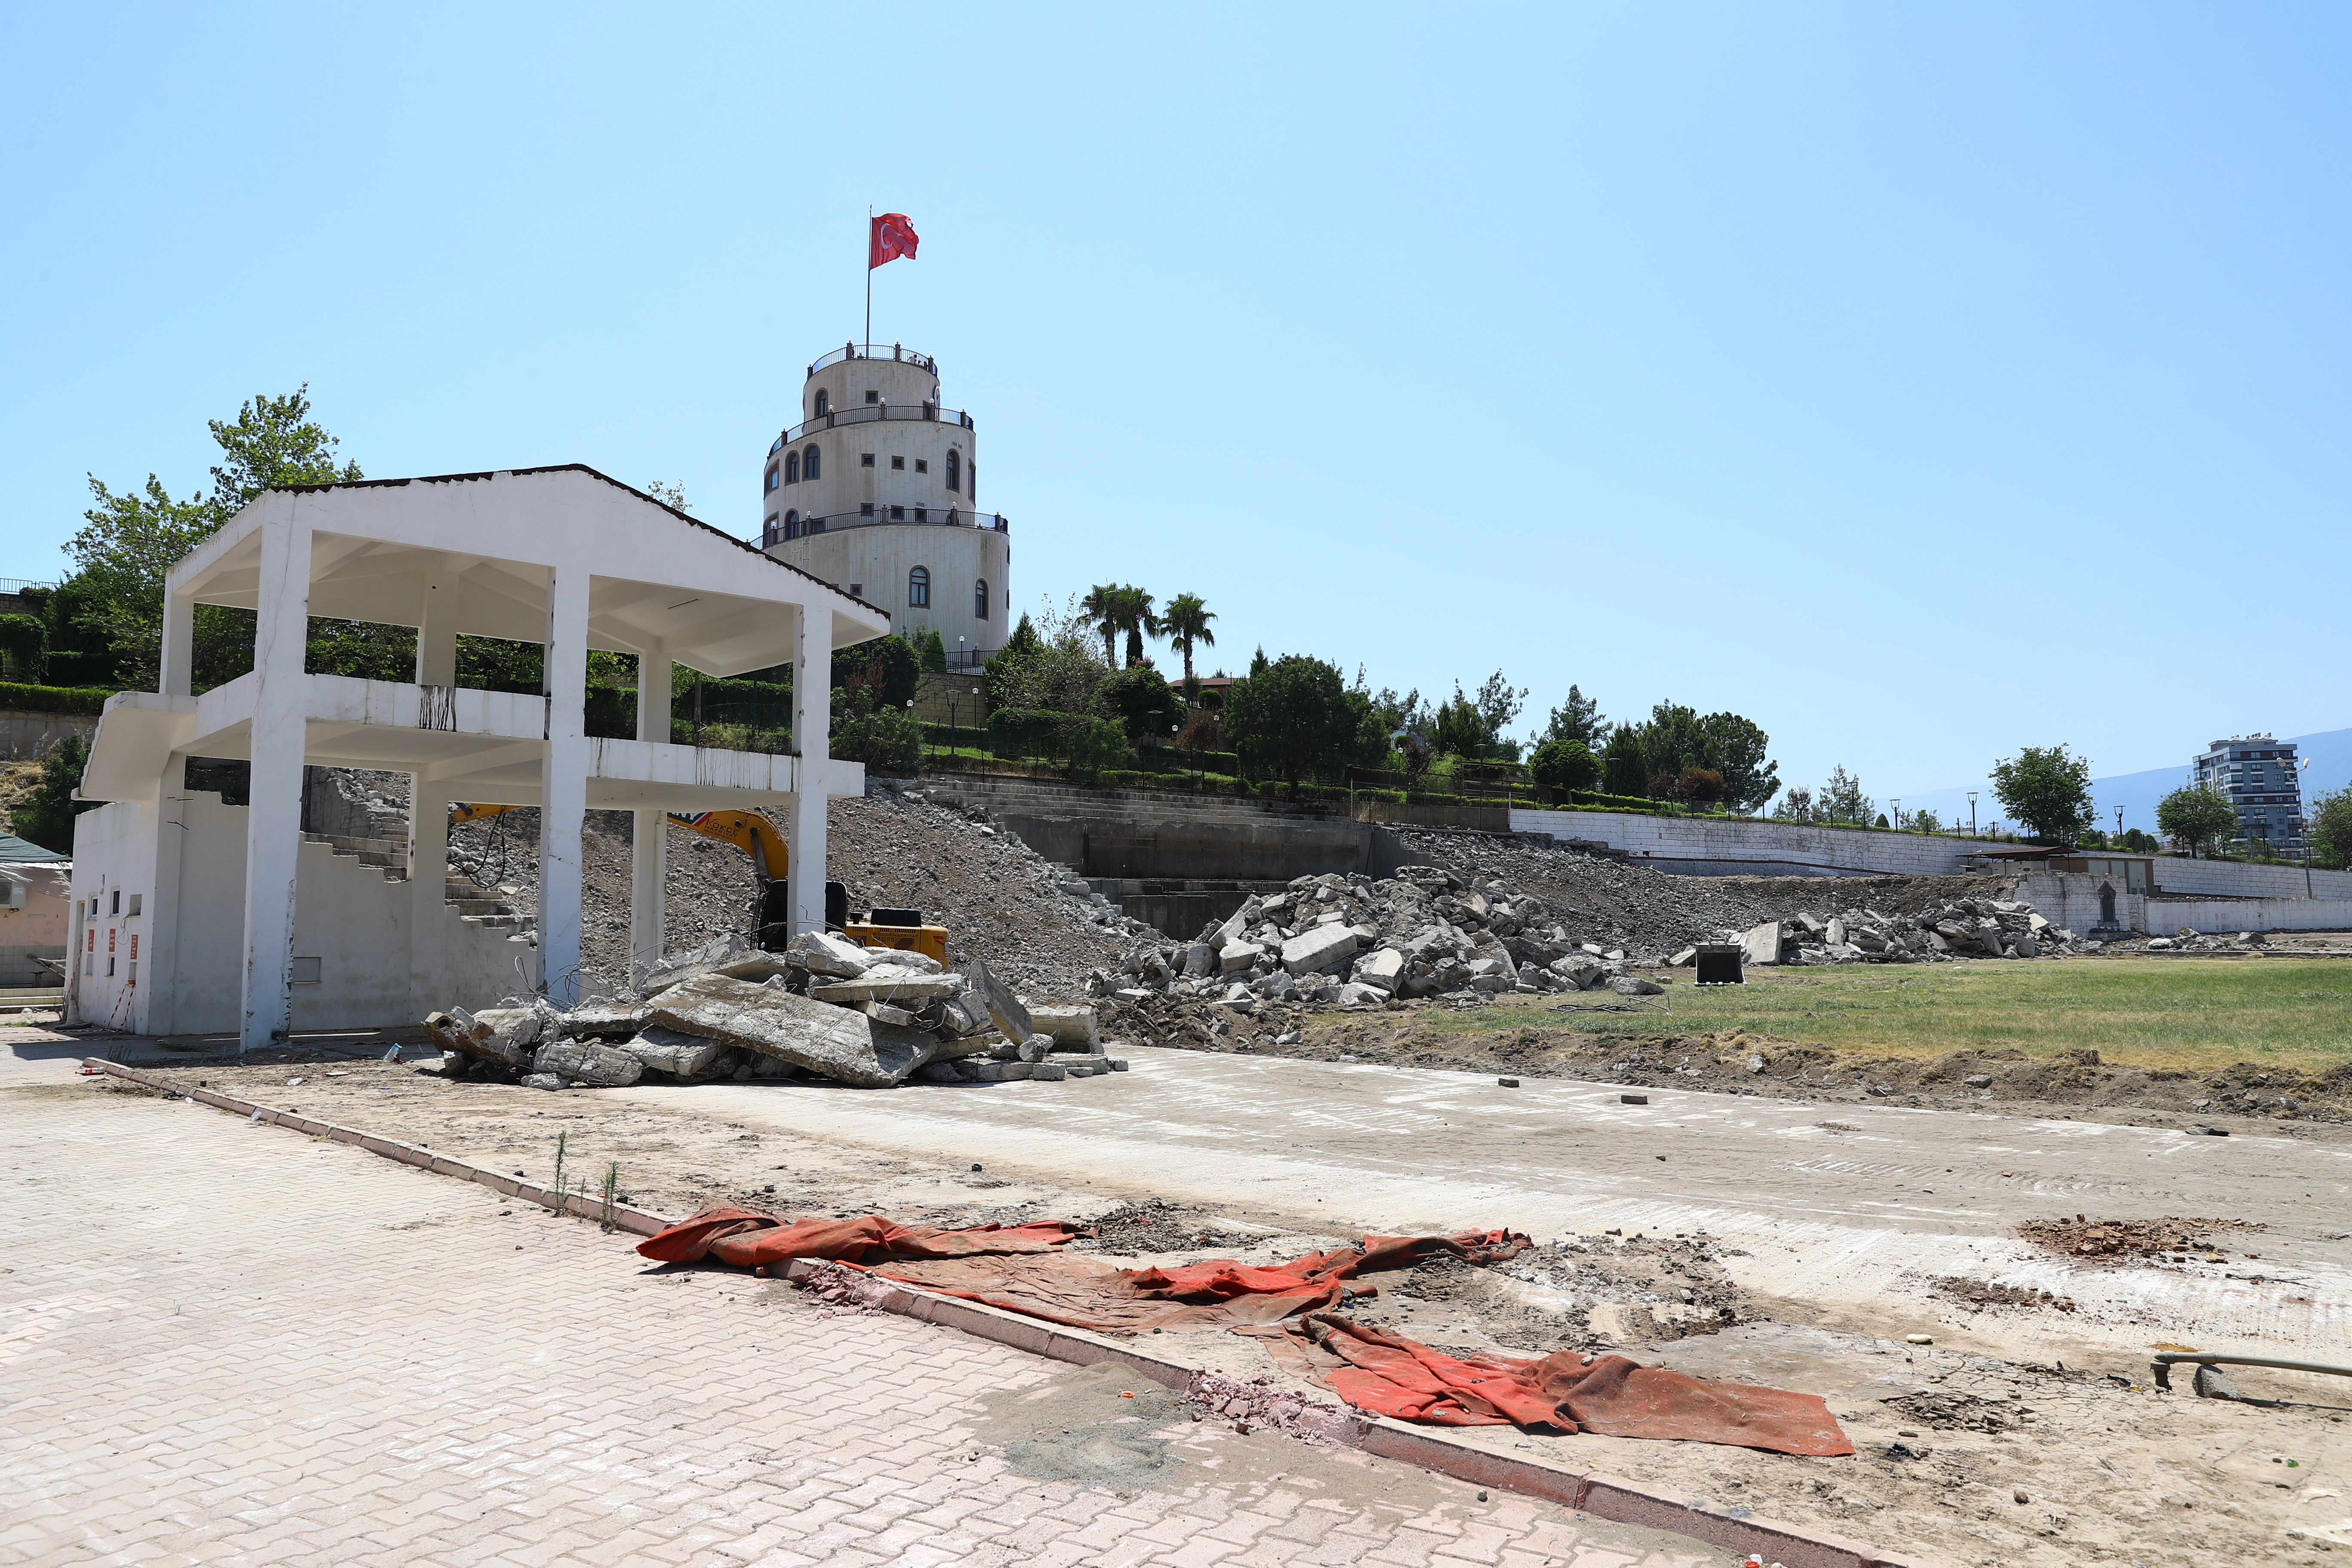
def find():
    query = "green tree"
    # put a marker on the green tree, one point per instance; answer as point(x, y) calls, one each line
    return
point(1144, 705)
point(1797, 805)
point(1624, 769)
point(2197, 815)
point(45, 816)
point(932, 652)
point(2328, 830)
point(1294, 716)
point(1137, 620)
point(1104, 610)
point(2047, 790)
point(881, 735)
point(1577, 719)
point(1736, 748)
point(24, 640)
point(1186, 625)
point(1561, 765)
point(1473, 726)
point(885, 666)
point(1841, 799)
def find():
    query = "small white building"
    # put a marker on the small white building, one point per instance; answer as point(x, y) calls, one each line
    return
point(36, 918)
point(876, 491)
point(194, 916)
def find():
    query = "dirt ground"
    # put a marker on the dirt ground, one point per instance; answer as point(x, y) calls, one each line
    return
point(1965, 1457)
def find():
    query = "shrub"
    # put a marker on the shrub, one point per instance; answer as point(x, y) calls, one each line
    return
point(1560, 766)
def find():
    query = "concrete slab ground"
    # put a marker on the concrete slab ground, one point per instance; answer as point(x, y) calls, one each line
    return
point(223, 1342)
point(1852, 1211)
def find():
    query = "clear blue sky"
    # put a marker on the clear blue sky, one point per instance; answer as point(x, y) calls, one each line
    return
point(1921, 381)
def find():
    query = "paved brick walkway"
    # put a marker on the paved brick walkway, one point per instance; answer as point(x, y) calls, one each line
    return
point(225, 1343)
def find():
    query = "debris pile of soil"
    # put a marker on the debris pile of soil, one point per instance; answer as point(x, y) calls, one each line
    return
point(1981, 1294)
point(1148, 1225)
point(1652, 913)
point(2083, 1236)
point(1962, 1412)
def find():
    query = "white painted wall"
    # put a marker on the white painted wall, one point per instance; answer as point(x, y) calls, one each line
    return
point(2071, 899)
point(2232, 879)
point(187, 938)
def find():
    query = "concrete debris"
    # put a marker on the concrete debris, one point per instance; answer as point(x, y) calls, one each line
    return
point(823, 1009)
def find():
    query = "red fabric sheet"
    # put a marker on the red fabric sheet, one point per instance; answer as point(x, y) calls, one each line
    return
point(749, 1239)
point(1616, 1397)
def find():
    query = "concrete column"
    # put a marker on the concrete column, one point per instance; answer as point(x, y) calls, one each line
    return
point(160, 958)
point(436, 630)
point(649, 861)
point(273, 832)
point(564, 786)
point(428, 912)
point(178, 645)
point(811, 718)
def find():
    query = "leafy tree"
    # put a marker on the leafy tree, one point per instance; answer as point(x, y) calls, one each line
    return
point(131, 540)
point(1473, 726)
point(1882, 820)
point(879, 734)
point(1257, 664)
point(1294, 716)
point(1842, 800)
point(2137, 842)
point(2197, 815)
point(932, 653)
point(1624, 770)
point(1797, 805)
point(670, 496)
point(1923, 821)
point(1561, 765)
point(2047, 790)
point(24, 640)
point(1703, 785)
point(45, 816)
point(1735, 748)
point(1144, 705)
point(1103, 610)
point(1577, 719)
point(1186, 625)
point(2328, 830)
point(885, 666)
point(1136, 619)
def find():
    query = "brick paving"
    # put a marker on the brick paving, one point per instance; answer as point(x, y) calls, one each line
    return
point(227, 1344)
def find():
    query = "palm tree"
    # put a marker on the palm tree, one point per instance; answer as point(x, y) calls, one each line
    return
point(1101, 608)
point(1136, 619)
point(1186, 624)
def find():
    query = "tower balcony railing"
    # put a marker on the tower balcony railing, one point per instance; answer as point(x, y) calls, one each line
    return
point(894, 352)
point(866, 413)
point(879, 514)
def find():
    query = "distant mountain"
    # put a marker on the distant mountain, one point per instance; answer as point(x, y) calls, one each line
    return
point(2328, 767)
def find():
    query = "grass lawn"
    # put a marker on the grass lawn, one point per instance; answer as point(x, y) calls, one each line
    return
point(2149, 1012)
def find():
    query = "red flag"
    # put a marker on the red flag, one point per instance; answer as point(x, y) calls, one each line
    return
point(893, 237)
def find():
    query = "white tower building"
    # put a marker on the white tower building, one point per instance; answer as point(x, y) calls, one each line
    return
point(876, 492)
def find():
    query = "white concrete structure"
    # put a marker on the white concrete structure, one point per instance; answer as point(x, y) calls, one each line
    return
point(875, 491)
point(245, 927)
point(36, 918)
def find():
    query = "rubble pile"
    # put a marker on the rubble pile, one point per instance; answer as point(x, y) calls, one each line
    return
point(1963, 928)
point(1348, 941)
point(825, 1009)
point(2172, 1238)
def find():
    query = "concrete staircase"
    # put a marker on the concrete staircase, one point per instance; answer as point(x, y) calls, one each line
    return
point(474, 905)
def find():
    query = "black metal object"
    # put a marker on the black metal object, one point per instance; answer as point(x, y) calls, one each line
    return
point(836, 905)
point(1720, 964)
point(882, 917)
point(2165, 1360)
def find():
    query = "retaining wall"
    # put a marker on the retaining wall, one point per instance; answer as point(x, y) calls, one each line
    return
point(2071, 899)
point(27, 737)
point(1753, 846)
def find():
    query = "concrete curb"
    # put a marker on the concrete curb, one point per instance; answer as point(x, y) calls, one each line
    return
point(636, 1222)
point(1603, 1496)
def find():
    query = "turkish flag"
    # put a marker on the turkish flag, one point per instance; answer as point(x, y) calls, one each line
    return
point(893, 237)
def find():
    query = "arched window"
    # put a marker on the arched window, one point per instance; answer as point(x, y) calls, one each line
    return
point(972, 484)
point(979, 598)
point(794, 516)
point(771, 477)
point(918, 589)
point(823, 403)
point(808, 464)
point(955, 469)
point(793, 469)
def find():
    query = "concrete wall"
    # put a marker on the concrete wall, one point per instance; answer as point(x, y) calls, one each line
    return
point(177, 962)
point(27, 737)
point(1218, 851)
point(875, 559)
point(2232, 879)
point(2071, 899)
point(1734, 847)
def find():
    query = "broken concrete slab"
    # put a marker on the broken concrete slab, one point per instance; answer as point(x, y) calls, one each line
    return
point(612, 1021)
point(507, 1034)
point(1762, 943)
point(1237, 955)
point(1070, 1028)
point(1004, 1009)
point(838, 1043)
point(608, 1067)
point(821, 953)
point(1634, 985)
point(1311, 952)
point(1383, 968)
point(891, 983)
point(995, 1072)
point(681, 1055)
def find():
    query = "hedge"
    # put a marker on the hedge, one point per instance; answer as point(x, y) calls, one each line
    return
point(20, 698)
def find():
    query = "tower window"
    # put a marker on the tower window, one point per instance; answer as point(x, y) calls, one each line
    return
point(979, 598)
point(918, 589)
point(955, 466)
point(898, 463)
point(808, 464)
point(865, 459)
point(923, 465)
point(865, 508)
point(775, 477)
point(897, 514)
point(793, 469)
point(772, 530)
point(823, 403)
point(873, 397)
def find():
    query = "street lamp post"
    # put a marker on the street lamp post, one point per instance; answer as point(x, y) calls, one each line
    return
point(1899, 813)
point(1972, 814)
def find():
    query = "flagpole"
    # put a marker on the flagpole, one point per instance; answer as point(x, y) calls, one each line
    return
point(869, 277)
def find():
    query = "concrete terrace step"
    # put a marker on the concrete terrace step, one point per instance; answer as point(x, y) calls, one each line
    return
point(1134, 804)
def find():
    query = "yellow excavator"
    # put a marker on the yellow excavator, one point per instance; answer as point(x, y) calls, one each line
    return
point(763, 841)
